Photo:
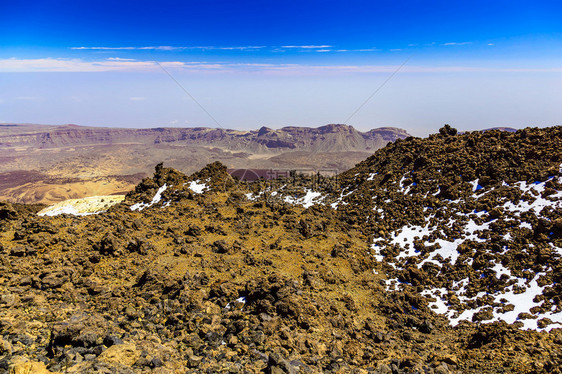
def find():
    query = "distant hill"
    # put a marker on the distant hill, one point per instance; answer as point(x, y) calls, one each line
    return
point(329, 138)
point(43, 163)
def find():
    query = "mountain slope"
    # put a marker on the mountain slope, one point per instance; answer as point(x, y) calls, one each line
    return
point(473, 221)
point(203, 273)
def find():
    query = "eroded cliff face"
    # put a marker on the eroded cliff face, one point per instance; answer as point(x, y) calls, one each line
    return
point(438, 255)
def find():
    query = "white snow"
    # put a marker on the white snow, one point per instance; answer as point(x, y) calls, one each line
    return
point(239, 300)
point(307, 200)
point(377, 252)
point(197, 186)
point(157, 197)
point(500, 270)
point(556, 249)
point(523, 303)
point(471, 228)
point(439, 305)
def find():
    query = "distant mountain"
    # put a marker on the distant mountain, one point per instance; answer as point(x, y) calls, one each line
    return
point(42, 163)
point(329, 138)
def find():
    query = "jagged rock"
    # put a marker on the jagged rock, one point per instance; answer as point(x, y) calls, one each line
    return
point(22, 366)
point(125, 354)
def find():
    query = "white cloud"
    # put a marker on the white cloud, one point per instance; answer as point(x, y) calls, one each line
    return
point(456, 43)
point(357, 50)
point(137, 98)
point(124, 65)
point(318, 48)
point(250, 47)
point(105, 48)
point(170, 48)
point(28, 98)
point(76, 65)
point(307, 46)
point(120, 59)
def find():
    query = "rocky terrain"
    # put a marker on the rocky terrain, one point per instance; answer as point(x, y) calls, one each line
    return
point(438, 255)
point(46, 164)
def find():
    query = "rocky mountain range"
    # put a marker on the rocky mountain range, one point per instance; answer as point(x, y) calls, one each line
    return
point(46, 164)
point(329, 138)
point(437, 255)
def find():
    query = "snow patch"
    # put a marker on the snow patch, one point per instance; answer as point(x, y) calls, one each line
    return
point(197, 186)
point(156, 199)
point(307, 200)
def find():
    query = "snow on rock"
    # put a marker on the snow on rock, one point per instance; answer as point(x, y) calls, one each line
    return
point(522, 301)
point(156, 199)
point(197, 186)
point(372, 176)
point(308, 200)
point(65, 210)
point(453, 238)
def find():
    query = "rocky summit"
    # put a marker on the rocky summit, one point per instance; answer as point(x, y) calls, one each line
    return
point(438, 255)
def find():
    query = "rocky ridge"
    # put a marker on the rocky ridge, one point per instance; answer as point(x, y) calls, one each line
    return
point(307, 274)
point(473, 221)
point(329, 138)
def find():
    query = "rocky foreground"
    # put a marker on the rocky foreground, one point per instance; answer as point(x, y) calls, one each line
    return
point(412, 262)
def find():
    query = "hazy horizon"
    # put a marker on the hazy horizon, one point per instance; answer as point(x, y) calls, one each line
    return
point(250, 64)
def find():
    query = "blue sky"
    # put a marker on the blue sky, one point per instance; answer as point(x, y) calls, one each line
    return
point(270, 63)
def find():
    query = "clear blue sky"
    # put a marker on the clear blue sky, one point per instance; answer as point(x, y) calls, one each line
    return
point(473, 64)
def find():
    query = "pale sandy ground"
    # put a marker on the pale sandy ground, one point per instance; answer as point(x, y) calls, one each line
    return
point(49, 193)
point(84, 206)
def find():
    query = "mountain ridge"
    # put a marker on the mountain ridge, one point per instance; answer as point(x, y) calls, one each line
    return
point(261, 140)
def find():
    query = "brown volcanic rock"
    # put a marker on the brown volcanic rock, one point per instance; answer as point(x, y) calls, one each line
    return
point(181, 304)
point(222, 281)
point(474, 215)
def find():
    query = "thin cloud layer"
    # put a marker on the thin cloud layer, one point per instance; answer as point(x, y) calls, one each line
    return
point(208, 47)
point(170, 48)
point(282, 48)
point(307, 46)
point(131, 65)
point(456, 43)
